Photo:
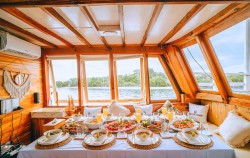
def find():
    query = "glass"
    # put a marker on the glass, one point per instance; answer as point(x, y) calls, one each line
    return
point(99, 119)
point(164, 110)
point(199, 67)
point(186, 114)
point(160, 86)
point(170, 116)
point(105, 112)
point(229, 46)
point(138, 110)
point(97, 77)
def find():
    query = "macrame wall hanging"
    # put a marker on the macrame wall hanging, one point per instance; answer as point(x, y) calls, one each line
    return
point(16, 85)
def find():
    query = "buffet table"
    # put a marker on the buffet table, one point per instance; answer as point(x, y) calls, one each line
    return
point(167, 149)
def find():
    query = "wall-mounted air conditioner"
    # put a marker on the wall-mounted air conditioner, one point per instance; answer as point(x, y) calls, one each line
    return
point(12, 45)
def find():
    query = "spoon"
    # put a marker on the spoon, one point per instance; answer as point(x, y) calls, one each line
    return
point(152, 137)
point(109, 135)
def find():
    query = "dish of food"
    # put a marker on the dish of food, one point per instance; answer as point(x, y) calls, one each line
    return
point(99, 134)
point(181, 124)
point(118, 126)
point(151, 124)
point(92, 124)
point(142, 135)
point(71, 127)
point(53, 134)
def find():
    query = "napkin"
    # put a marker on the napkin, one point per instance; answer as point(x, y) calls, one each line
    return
point(166, 135)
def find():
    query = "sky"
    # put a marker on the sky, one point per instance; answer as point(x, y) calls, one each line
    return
point(229, 47)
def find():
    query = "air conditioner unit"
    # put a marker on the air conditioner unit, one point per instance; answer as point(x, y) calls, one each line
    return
point(17, 47)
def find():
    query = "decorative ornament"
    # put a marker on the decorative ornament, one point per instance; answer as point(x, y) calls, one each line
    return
point(17, 87)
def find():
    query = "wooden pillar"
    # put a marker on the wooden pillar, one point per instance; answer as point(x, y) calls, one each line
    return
point(146, 79)
point(80, 80)
point(111, 77)
point(214, 66)
point(46, 87)
point(247, 57)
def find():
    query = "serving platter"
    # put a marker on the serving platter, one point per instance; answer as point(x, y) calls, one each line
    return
point(196, 125)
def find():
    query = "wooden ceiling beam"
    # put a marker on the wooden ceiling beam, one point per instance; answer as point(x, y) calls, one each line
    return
point(229, 10)
point(94, 25)
point(29, 3)
point(52, 12)
point(189, 16)
point(28, 20)
point(120, 12)
point(154, 17)
point(23, 33)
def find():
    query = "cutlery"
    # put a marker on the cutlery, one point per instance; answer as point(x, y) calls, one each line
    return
point(185, 139)
point(152, 138)
point(109, 135)
point(201, 140)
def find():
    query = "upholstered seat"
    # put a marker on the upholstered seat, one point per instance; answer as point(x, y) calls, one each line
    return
point(243, 152)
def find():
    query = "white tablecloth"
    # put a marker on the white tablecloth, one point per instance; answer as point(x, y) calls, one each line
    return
point(167, 149)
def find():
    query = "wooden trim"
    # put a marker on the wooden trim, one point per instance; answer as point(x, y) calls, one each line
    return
point(240, 15)
point(189, 16)
point(241, 96)
point(61, 3)
point(116, 81)
point(111, 77)
point(170, 76)
point(239, 102)
point(102, 50)
point(85, 82)
point(120, 12)
point(142, 75)
point(229, 10)
point(94, 25)
point(215, 67)
point(80, 79)
point(52, 77)
point(147, 83)
point(45, 78)
point(23, 17)
point(23, 33)
point(188, 44)
point(154, 17)
point(207, 96)
point(209, 91)
point(52, 12)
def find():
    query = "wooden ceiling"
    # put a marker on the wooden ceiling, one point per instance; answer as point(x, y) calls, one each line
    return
point(76, 23)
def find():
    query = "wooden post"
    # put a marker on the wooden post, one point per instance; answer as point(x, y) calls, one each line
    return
point(80, 79)
point(116, 82)
point(111, 77)
point(146, 73)
point(214, 66)
point(46, 86)
point(53, 82)
point(142, 79)
point(247, 57)
point(85, 82)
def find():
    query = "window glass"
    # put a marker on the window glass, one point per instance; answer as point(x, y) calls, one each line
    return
point(97, 75)
point(199, 67)
point(65, 79)
point(129, 78)
point(229, 46)
point(160, 87)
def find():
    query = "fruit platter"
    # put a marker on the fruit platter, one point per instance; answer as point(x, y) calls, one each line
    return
point(119, 126)
point(71, 126)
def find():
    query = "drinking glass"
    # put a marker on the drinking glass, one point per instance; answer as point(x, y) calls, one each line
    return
point(99, 119)
point(105, 112)
point(138, 110)
point(170, 116)
point(186, 114)
point(164, 111)
point(138, 117)
point(204, 128)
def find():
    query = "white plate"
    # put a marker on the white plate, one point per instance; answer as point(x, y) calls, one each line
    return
point(196, 125)
point(90, 140)
point(200, 140)
point(149, 141)
point(44, 141)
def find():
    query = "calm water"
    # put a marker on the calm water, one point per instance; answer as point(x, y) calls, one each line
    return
point(103, 93)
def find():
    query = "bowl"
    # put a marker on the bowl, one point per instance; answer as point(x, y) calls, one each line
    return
point(142, 134)
point(91, 124)
point(99, 134)
point(190, 133)
point(77, 117)
point(53, 134)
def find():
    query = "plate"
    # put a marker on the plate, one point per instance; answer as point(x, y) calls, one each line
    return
point(44, 141)
point(149, 141)
point(90, 140)
point(126, 129)
point(196, 126)
point(200, 140)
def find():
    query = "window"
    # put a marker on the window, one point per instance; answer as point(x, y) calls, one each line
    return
point(63, 81)
point(160, 87)
point(229, 46)
point(128, 77)
point(96, 73)
point(199, 67)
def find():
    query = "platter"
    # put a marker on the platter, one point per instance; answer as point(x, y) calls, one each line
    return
point(181, 124)
point(116, 126)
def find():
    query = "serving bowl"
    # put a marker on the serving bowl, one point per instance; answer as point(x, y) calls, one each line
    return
point(190, 133)
point(142, 134)
point(92, 124)
point(99, 134)
point(53, 134)
point(77, 117)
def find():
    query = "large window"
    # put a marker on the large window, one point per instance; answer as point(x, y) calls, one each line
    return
point(229, 46)
point(63, 81)
point(96, 75)
point(199, 67)
point(128, 77)
point(160, 87)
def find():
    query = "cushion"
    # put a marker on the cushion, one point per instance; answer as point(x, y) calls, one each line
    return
point(235, 130)
point(198, 112)
point(146, 109)
point(117, 109)
point(92, 111)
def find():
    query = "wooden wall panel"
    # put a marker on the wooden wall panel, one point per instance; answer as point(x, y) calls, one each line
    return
point(33, 67)
point(218, 111)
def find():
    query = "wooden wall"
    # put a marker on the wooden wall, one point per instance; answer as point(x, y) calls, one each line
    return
point(33, 67)
point(218, 111)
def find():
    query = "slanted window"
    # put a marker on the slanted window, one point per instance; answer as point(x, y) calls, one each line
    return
point(96, 78)
point(229, 46)
point(128, 78)
point(200, 68)
point(160, 86)
point(63, 81)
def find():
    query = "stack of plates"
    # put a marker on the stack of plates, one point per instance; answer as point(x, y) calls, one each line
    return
point(91, 141)
point(198, 140)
